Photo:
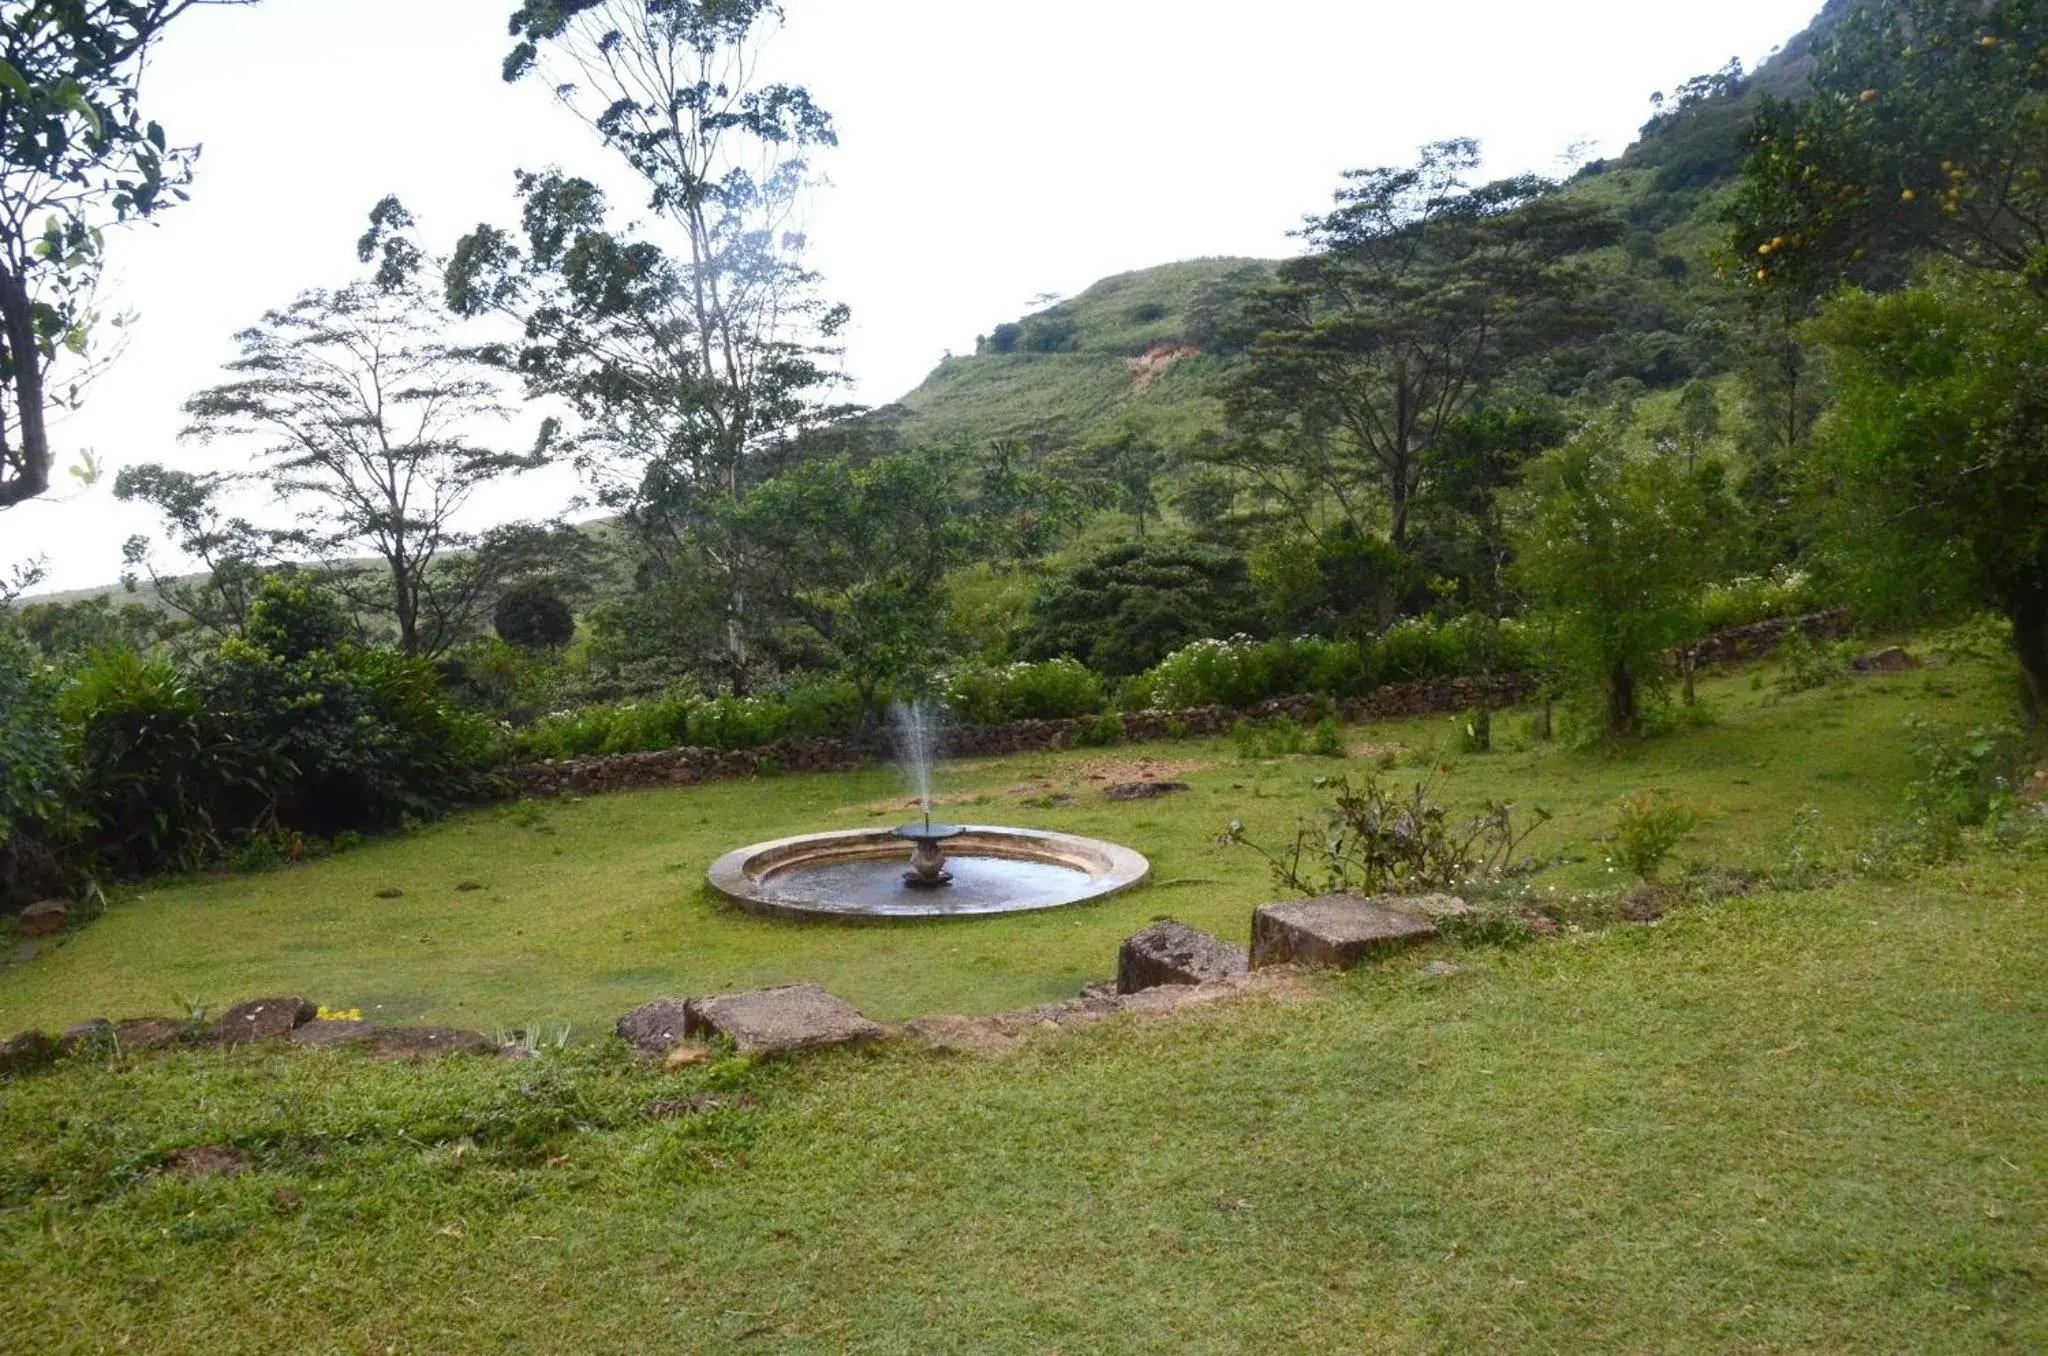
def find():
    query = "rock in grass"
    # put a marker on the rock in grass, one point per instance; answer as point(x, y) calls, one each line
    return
point(656, 1027)
point(29, 1050)
point(328, 1035)
point(261, 1019)
point(426, 1042)
point(1174, 953)
point(151, 1033)
point(1127, 791)
point(1891, 660)
point(44, 919)
point(780, 1021)
point(1336, 932)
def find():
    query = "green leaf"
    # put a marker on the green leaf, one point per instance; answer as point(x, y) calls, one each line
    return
point(14, 83)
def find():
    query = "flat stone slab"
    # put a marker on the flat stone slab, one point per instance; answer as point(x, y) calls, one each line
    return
point(655, 1028)
point(151, 1033)
point(1336, 932)
point(1174, 953)
point(779, 1021)
point(261, 1019)
point(427, 1042)
point(329, 1035)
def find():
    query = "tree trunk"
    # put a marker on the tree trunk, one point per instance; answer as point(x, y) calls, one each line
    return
point(17, 316)
point(1621, 701)
point(1689, 660)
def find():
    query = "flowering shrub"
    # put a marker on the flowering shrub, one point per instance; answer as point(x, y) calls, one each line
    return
point(823, 710)
point(1059, 689)
point(1784, 592)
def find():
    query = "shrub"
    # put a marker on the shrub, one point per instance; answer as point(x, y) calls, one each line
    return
point(533, 616)
point(1059, 689)
point(1784, 592)
point(293, 617)
point(1103, 731)
point(1966, 777)
point(1329, 741)
point(1648, 825)
point(165, 784)
point(1374, 842)
point(37, 781)
point(1127, 608)
point(1807, 665)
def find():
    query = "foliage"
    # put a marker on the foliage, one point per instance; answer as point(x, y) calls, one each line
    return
point(1927, 130)
point(1615, 549)
point(1375, 842)
point(534, 616)
point(77, 155)
point(360, 415)
point(165, 780)
point(1931, 477)
point(1329, 739)
point(1965, 777)
point(1128, 607)
point(1647, 826)
point(1784, 592)
point(858, 554)
point(1807, 665)
point(70, 630)
point(826, 709)
point(683, 365)
point(293, 618)
point(1418, 291)
point(1058, 689)
point(1242, 672)
point(36, 776)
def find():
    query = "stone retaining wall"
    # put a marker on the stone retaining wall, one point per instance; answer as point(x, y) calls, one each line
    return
point(1759, 638)
point(691, 766)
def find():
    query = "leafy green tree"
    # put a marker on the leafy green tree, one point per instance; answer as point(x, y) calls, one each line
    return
point(1419, 290)
point(77, 155)
point(1932, 473)
point(689, 350)
point(1025, 507)
point(859, 556)
point(361, 415)
point(1126, 467)
point(1126, 608)
point(533, 616)
point(37, 778)
point(232, 552)
point(1926, 131)
point(1614, 550)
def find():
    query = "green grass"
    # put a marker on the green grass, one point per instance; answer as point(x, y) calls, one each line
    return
point(588, 908)
point(1779, 1124)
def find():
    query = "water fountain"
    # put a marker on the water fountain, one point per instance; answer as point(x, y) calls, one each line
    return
point(954, 870)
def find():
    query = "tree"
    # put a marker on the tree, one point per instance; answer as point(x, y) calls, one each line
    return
point(1126, 608)
point(533, 616)
point(1927, 131)
point(76, 155)
point(1124, 468)
point(1931, 476)
point(1614, 550)
point(859, 555)
point(362, 414)
point(692, 349)
point(1417, 293)
point(233, 552)
point(1025, 509)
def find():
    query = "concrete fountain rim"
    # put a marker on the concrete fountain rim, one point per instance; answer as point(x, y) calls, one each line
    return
point(1109, 868)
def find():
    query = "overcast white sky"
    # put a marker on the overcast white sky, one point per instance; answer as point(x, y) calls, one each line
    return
point(989, 152)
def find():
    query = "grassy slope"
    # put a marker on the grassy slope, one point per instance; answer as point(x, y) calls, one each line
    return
point(593, 906)
point(1071, 397)
point(1781, 1124)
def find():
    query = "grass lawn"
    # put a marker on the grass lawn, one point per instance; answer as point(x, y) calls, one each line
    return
point(1805, 1123)
point(590, 907)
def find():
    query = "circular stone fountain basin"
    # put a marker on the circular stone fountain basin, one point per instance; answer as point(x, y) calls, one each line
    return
point(857, 876)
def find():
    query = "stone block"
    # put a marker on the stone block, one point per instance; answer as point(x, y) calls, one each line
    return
point(261, 1019)
point(1337, 932)
point(655, 1028)
point(29, 1050)
point(426, 1042)
point(45, 919)
point(1891, 660)
point(151, 1033)
point(1174, 953)
point(778, 1021)
point(331, 1034)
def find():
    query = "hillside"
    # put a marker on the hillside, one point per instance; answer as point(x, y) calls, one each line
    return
point(1138, 348)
